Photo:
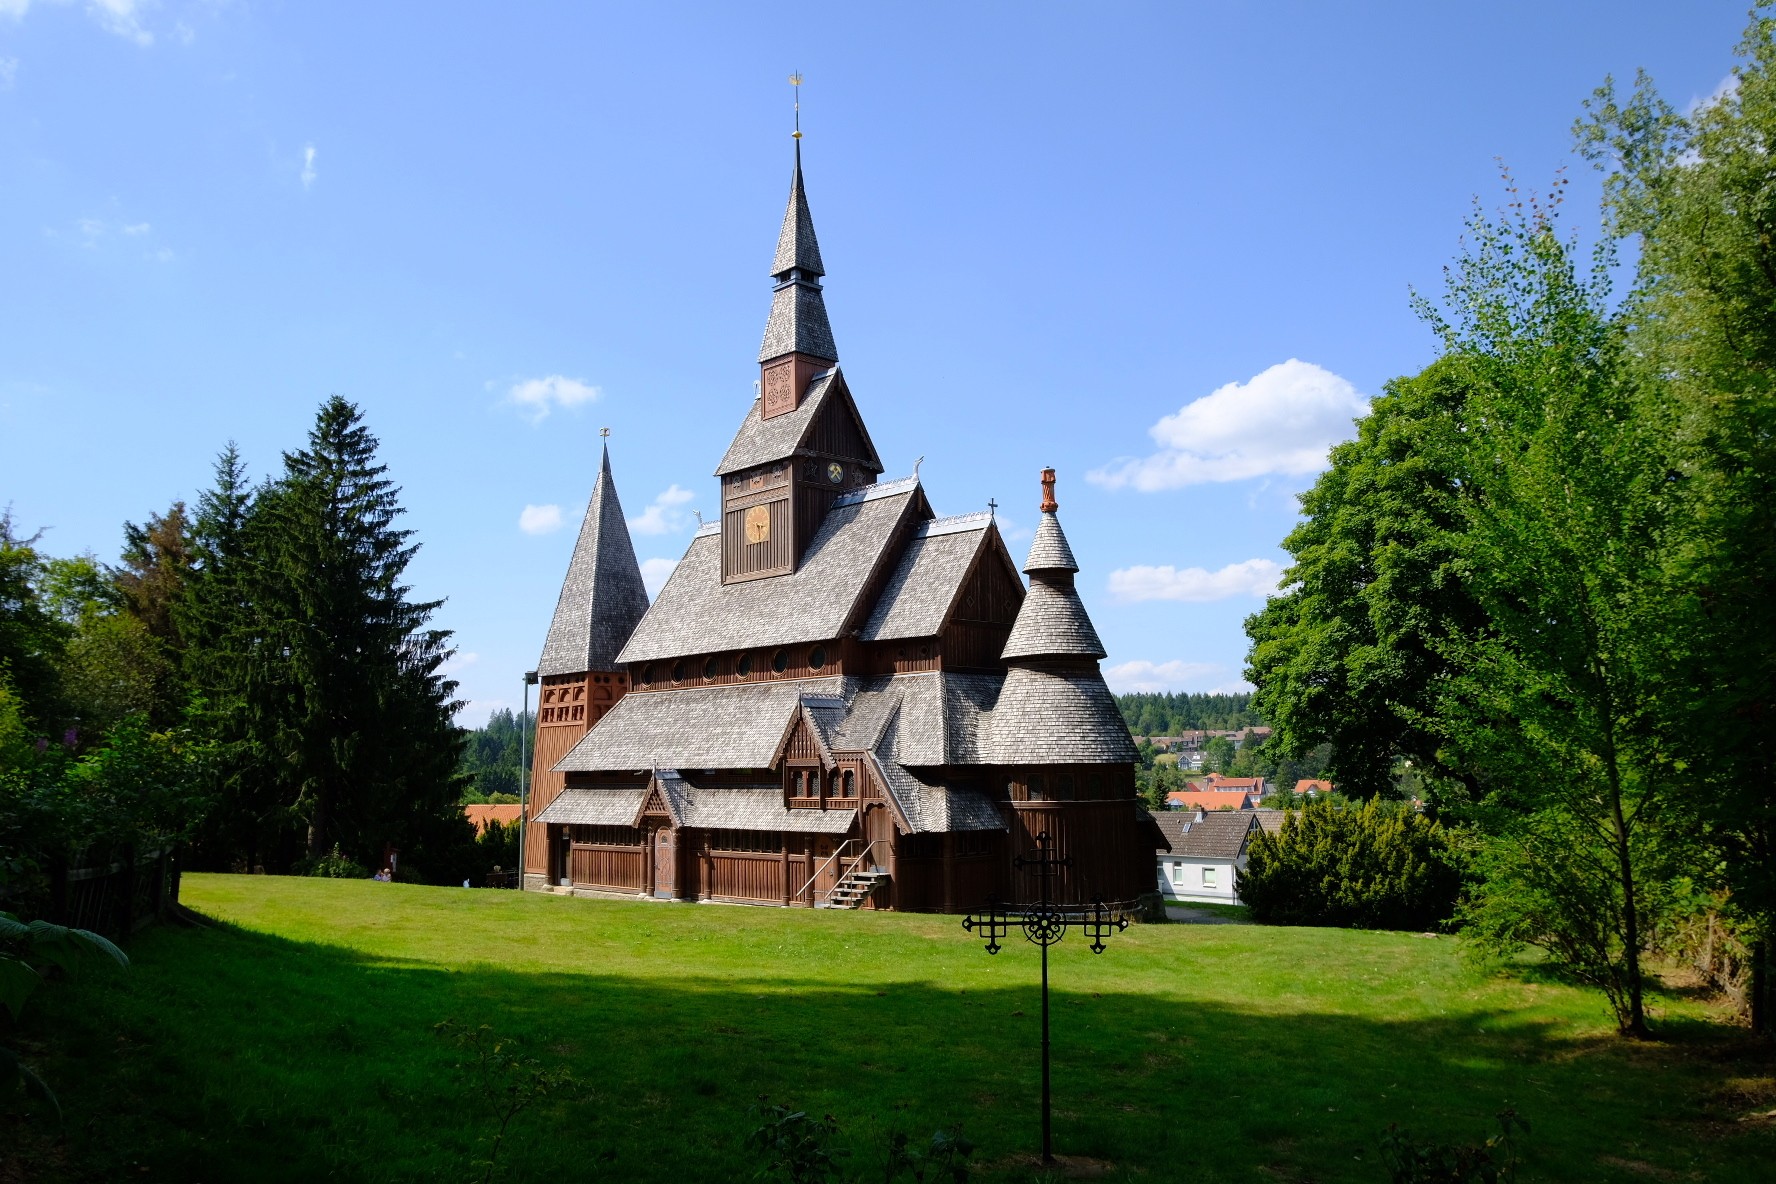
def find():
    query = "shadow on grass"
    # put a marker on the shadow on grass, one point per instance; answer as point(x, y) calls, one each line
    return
point(227, 1054)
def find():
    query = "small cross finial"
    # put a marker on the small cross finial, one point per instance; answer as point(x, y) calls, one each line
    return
point(795, 80)
point(604, 432)
point(993, 508)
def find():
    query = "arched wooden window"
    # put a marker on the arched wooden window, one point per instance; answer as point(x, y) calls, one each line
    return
point(848, 784)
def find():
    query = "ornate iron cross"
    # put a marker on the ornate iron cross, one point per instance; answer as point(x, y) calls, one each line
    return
point(1044, 924)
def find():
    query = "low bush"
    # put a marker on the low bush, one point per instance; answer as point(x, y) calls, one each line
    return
point(1379, 865)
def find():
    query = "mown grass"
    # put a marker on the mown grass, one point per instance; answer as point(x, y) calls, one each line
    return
point(293, 1042)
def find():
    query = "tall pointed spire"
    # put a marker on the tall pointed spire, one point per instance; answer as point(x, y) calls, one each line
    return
point(798, 324)
point(602, 598)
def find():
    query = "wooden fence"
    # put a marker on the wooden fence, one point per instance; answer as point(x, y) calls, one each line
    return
point(119, 898)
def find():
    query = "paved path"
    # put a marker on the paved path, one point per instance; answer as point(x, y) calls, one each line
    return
point(1189, 916)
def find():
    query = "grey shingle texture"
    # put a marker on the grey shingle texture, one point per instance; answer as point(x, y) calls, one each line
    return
point(734, 726)
point(761, 441)
point(1056, 717)
point(798, 324)
point(1052, 622)
point(696, 613)
point(796, 245)
point(594, 807)
point(602, 598)
point(1049, 550)
point(917, 599)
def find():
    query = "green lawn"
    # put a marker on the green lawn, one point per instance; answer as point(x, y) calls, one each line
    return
point(294, 1043)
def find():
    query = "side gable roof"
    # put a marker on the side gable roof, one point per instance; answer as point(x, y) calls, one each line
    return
point(1217, 836)
point(922, 592)
point(736, 726)
point(761, 441)
point(696, 613)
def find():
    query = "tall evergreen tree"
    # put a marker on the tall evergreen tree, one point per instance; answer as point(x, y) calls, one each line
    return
point(360, 715)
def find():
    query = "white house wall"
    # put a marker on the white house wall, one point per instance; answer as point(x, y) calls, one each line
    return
point(1182, 879)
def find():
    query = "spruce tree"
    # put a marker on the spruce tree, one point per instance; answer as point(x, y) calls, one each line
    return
point(358, 715)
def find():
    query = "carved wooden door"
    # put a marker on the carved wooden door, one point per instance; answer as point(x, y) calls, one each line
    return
point(666, 863)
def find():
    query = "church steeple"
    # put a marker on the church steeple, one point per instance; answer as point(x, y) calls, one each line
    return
point(798, 340)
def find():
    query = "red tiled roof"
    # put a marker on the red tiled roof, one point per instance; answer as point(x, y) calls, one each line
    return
point(1210, 800)
point(1306, 784)
point(480, 816)
point(1216, 781)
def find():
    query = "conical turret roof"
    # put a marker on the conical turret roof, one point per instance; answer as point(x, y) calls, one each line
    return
point(602, 598)
point(1049, 551)
point(1052, 623)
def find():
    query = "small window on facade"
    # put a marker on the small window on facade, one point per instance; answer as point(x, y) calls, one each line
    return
point(817, 659)
point(678, 672)
point(647, 675)
point(850, 784)
point(780, 661)
point(1178, 874)
point(1208, 877)
point(1094, 785)
point(745, 666)
point(1036, 788)
point(711, 668)
point(1064, 788)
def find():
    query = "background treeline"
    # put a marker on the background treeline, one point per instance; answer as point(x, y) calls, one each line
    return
point(1169, 714)
point(493, 755)
point(253, 679)
point(1542, 572)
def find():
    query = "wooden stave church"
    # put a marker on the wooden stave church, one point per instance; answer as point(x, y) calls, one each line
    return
point(839, 698)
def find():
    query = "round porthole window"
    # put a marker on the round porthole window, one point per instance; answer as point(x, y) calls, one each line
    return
point(647, 675)
point(780, 661)
point(745, 665)
point(711, 668)
point(817, 659)
point(678, 672)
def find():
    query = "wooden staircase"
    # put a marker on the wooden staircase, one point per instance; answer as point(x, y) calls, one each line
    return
point(857, 886)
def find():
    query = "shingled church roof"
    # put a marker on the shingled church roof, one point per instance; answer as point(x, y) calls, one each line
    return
point(822, 599)
point(761, 441)
point(602, 597)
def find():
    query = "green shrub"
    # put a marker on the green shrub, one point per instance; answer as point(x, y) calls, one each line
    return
point(1379, 865)
point(337, 866)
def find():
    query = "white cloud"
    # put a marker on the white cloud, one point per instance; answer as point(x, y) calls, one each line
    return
point(91, 229)
point(457, 664)
point(163, 255)
point(122, 17)
point(655, 573)
point(8, 66)
point(308, 166)
point(1728, 85)
point(536, 397)
point(1281, 421)
point(540, 519)
point(1143, 676)
point(1011, 531)
point(138, 228)
point(1254, 577)
point(665, 513)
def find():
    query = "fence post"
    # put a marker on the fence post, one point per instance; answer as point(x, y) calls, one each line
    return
point(126, 904)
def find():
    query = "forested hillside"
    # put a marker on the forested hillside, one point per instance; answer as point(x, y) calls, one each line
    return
point(493, 755)
point(1169, 714)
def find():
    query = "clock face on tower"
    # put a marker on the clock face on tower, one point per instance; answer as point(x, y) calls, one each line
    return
point(758, 524)
point(835, 472)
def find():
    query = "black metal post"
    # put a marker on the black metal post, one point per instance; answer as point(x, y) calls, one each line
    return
point(1048, 1156)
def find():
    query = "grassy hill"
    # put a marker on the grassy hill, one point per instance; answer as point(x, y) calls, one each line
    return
point(294, 1042)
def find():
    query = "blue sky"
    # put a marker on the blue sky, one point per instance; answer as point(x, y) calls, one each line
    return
point(1165, 248)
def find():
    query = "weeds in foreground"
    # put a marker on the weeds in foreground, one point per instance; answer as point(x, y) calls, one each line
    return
point(1491, 1162)
point(507, 1080)
point(798, 1148)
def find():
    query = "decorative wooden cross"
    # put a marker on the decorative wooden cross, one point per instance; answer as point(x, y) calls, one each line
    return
point(1044, 924)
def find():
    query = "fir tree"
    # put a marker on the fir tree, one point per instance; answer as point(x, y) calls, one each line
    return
point(359, 716)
